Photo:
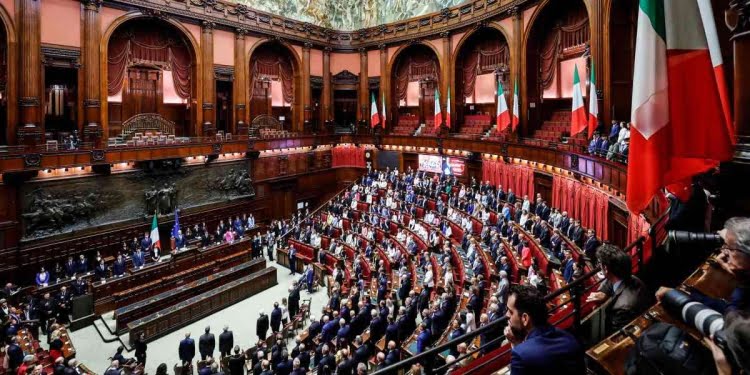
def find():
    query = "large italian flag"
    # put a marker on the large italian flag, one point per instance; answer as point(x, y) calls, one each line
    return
point(155, 234)
point(438, 112)
point(503, 114)
point(578, 121)
point(593, 103)
point(680, 115)
point(516, 105)
point(374, 118)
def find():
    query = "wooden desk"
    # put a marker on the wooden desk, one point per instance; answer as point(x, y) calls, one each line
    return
point(188, 311)
point(104, 293)
point(162, 300)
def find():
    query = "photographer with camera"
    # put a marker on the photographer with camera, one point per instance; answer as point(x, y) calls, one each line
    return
point(734, 259)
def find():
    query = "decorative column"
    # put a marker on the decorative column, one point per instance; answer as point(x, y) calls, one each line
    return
point(515, 62)
point(31, 129)
point(445, 80)
point(325, 113)
point(92, 26)
point(364, 86)
point(734, 199)
point(209, 86)
point(239, 85)
point(385, 82)
point(307, 110)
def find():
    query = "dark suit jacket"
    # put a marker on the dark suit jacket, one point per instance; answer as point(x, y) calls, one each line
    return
point(630, 300)
point(207, 343)
point(187, 349)
point(237, 365)
point(261, 326)
point(276, 319)
point(548, 350)
point(226, 341)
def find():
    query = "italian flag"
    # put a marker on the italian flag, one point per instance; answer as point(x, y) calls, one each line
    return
point(383, 102)
point(155, 234)
point(448, 109)
point(503, 114)
point(515, 117)
point(438, 112)
point(374, 118)
point(593, 103)
point(680, 114)
point(578, 120)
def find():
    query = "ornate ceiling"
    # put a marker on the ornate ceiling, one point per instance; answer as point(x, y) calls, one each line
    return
point(347, 15)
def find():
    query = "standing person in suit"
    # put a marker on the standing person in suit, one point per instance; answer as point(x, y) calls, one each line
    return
point(146, 242)
point(261, 326)
point(567, 266)
point(537, 346)
point(140, 349)
point(139, 259)
point(275, 318)
point(628, 295)
point(186, 350)
point(592, 243)
point(424, 338)
point(237, 362)
point(206, 344)
point(292, 259)
point(293, 300)
point(226, 342)
point(82, 267)
point(118, 269)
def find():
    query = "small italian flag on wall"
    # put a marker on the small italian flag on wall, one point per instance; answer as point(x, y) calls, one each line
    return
point(578, 120)
point(155, 233)
point(438, 111)
point(374, 118)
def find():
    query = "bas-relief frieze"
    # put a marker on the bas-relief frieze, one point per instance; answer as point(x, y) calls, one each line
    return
point(347, 15)
point(63, 206)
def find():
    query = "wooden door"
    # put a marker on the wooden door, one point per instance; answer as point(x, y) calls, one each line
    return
point(143, 92)
point(427, 103)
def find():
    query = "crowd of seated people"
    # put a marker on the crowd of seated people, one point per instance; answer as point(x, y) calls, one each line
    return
point(615, 145)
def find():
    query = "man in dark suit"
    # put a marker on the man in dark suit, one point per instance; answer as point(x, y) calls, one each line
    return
point(567, 266)
point(139, 259)
point(315, 327)
point(592, 243)
point(475, 303)
point(329, 329)
point(261, 326)
point(70, 267)
point(187, 349)
point(628, 295)
point(377, 326)
point(80, 287)
point(226, 342)
point(82, 266)
point(118, 269)
point(362, 354)
point(207, 344)
point(237, 362)
point(538, 347)
point(293, 259)
point(275, 318)
point(146, 242)
point(293, 300)
point(15, 354)
point(394, 355)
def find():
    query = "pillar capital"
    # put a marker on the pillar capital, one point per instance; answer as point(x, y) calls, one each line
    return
point(94, 5)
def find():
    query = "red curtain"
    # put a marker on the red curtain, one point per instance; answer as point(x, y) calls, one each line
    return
point(518, 178)
point(348, 156)
point(142, 42)
point(420, 65)
point(583, 202)
point(275, 67)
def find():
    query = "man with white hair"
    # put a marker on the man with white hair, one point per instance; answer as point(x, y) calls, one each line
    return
point(503, 287)
point(261, 325)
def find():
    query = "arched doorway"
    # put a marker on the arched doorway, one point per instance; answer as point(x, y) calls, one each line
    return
point(275, 87)
point(151, 74)
point(7, 78)
point(482, 60)
point(415, 76)
point(623, 19)
point(557, 43)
